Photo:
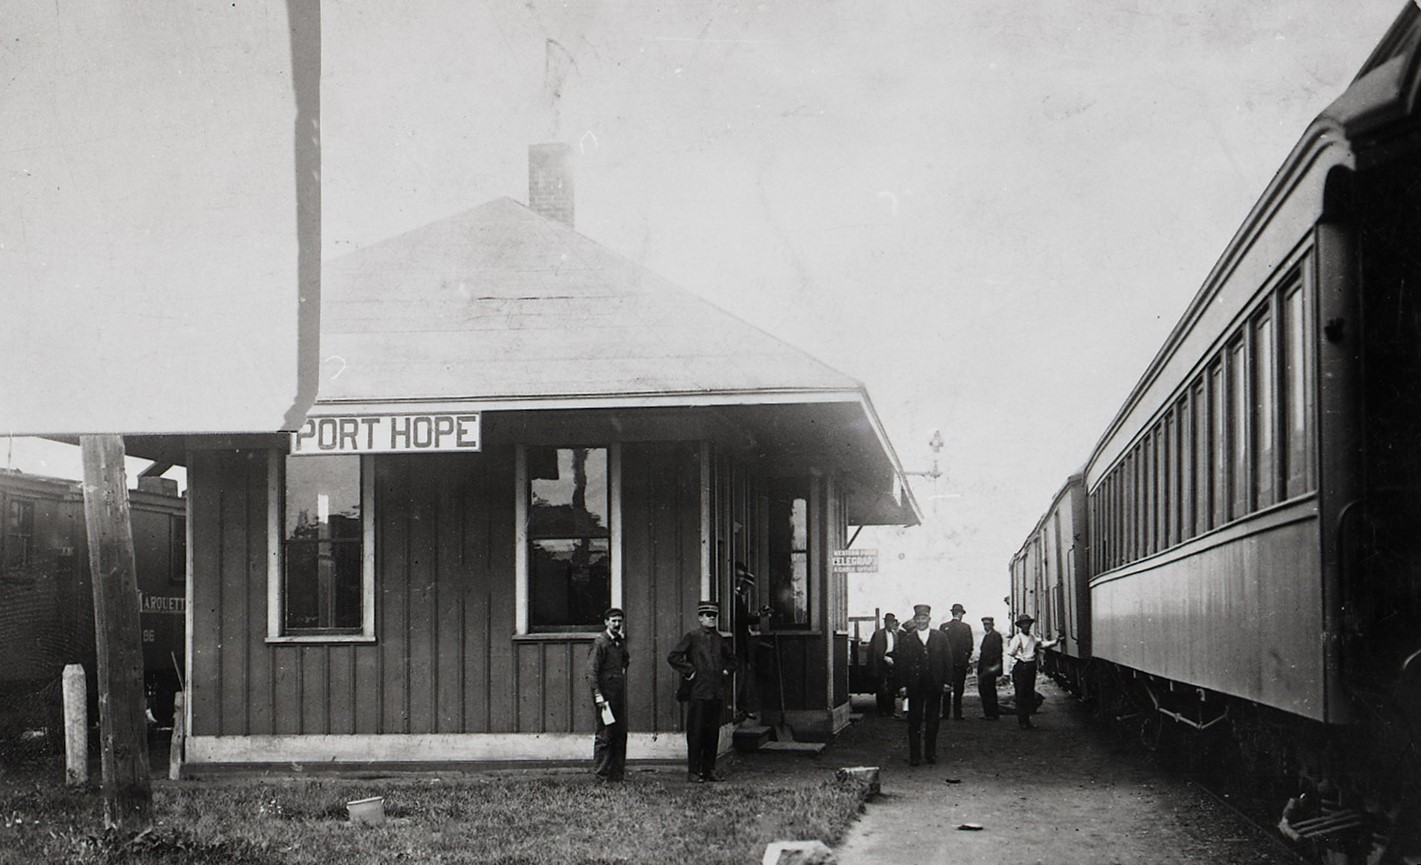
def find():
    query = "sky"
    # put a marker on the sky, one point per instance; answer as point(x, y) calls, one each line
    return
point(989, 214)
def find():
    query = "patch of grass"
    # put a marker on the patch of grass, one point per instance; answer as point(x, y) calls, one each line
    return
point(465, 820)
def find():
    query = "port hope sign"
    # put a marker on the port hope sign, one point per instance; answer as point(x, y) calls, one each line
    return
point(388, 433)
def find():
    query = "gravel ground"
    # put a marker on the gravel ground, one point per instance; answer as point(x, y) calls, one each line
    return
point(1062, 794)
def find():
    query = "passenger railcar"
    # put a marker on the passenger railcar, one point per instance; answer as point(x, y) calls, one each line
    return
point(1049, 582)
point(1253, 509)
point(46, 591)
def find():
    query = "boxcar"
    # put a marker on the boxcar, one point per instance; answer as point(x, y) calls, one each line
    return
point(46, 592)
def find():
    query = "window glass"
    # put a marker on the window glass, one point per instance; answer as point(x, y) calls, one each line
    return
point(19, 534)
point(323, 538)
point(1239, 431)
point(1199, 430)
point(1265, 402)
point(569, 538)
point(1219, 433)
point(1295, 404)
point(789, 553)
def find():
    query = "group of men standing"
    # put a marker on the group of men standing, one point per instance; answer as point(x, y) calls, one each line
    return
point(923, 664)
point(916, 662)
point(705, 662)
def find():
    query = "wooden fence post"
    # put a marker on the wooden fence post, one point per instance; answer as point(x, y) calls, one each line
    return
point(127, 787)
point(76, 725)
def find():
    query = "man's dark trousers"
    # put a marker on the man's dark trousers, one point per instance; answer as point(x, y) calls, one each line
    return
point(702, 735)
point(1023, 676)
point(959, 681)
point(924, 709)
point(609, 749)
point(987, 690)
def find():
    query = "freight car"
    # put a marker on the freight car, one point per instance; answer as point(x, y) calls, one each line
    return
point(46, 592)
point(1252, 512)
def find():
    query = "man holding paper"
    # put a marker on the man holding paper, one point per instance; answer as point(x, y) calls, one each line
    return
point(607, 674)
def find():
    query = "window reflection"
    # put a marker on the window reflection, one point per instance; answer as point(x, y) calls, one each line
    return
point(569, 531)
point(323, 540)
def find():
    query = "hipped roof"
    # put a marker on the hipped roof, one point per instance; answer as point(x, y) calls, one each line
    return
point(502, 308)
point(499, 302)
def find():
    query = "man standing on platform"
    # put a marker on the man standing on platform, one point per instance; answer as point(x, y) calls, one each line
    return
point(607, 674)
point(959, 635)
point(989, 668)
point(1023, 648)
point(881, 647)
point(924, 662)
point(705, 660)
point(747, 694)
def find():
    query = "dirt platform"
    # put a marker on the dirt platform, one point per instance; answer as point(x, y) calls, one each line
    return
point(1062, 794)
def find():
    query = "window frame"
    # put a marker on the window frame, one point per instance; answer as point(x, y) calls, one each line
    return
point(523, 599)
point(276, 555)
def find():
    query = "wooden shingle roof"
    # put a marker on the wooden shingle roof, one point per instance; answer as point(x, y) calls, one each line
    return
point(500, 303)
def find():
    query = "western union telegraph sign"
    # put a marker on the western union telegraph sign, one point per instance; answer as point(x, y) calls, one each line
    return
point(388, 433)
point(855, 561)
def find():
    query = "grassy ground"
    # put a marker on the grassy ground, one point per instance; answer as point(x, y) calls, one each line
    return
point(503, 819)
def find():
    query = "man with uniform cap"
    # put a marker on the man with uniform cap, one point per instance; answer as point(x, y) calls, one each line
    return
point(959, 635)
point(989, 667)
point(747, 695)
point(705, 660)
point(923, 665)
point(1023, 648)
point(881, 648)
point(607, 674)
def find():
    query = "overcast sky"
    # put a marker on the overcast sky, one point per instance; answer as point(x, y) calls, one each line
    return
point(991, 214)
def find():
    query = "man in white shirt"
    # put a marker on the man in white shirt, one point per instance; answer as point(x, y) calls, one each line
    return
point(1023, 649)
point(881, 647)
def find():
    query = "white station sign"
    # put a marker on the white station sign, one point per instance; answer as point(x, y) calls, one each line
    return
point(855, 561)
point(388, 434)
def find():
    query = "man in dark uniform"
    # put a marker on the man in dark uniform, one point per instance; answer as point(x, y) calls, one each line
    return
point(924, 662)
point(989, 668)
point(881, 647)
point(959, 635)
point(704, 658)
point(607, 674)
point(747, 695)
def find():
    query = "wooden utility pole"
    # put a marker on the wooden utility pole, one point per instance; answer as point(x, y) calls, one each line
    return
point(127, 788)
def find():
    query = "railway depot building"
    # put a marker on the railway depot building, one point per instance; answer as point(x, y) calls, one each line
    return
point(517, 428)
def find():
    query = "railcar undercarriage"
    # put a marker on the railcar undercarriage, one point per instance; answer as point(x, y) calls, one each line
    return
point(1340, 794)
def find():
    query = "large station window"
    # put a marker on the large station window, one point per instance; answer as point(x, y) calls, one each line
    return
point(789, 553)
point(569, 538)
point(325, 588)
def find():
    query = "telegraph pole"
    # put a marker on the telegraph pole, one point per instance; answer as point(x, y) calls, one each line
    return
point(127, 788)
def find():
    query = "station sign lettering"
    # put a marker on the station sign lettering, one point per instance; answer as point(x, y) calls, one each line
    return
point(387, 433)
point(855, 561)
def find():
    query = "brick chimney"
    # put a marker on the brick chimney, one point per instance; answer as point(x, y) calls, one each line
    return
point(550, 181)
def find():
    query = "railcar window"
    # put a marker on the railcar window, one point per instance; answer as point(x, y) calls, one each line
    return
point(1199, 431)
point(1295, 394)
point(569, 538)
point(1164, 448)
point(1219, 446)
point(1265, 401)
point(1238, 417)
point(19, 540)
point(322, 542)
point(1170, 485)
point(1183, 474)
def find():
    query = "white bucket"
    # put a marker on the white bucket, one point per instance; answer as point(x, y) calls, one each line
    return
point(370, 812)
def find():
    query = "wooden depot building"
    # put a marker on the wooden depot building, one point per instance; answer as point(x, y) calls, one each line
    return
point(517, 428)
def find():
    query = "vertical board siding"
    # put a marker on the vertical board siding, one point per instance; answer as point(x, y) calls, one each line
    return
point(661, 551)
point(445, 658)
